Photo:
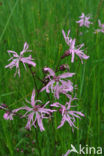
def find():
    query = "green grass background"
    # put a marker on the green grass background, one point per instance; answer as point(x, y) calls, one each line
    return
point(40, 22)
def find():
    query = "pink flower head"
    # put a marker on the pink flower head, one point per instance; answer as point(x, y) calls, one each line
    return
point(101, 27)
point(8, 116)
point(73, 50)
point(84, 21)
point(16, 59)
point(64, 88)
point(35, 113)
point(57, 84)
point(67, 114)
point(66, 37)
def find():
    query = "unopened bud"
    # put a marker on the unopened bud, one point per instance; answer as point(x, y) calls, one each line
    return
point(44, 71)
point(64, 67)
point(67, 53)
point(17, 149)
point(4, 105)
point(60, 110)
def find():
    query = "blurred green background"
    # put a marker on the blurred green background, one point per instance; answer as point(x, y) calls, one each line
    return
point(40, 23)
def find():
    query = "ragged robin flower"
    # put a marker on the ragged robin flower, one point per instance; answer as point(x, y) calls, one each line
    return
point(16, 59)
point(84, 21)
point(68, 115)
point(101, 27)
point(58, 84)
point(34, 114)
point(75, 50)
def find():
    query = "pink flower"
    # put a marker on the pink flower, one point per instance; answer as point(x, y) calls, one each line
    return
point(73, 50)
point(8, 116)
point(39, 111)
point(57, 84)
point(66, 87)
point(16, 59)
point(84, 21)
point(101, 27)
point(67, 114)
point(66, 37)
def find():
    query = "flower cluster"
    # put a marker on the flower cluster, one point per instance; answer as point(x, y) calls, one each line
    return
point(57, 82)
point(54, 83)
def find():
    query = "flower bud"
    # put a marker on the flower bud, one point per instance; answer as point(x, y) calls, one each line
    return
point(17, 149)
point(67, 53)
point(63, 67)
point(4, 105)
